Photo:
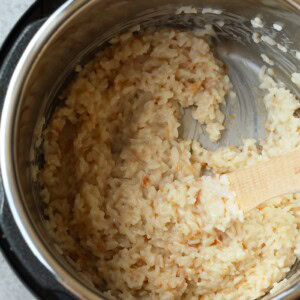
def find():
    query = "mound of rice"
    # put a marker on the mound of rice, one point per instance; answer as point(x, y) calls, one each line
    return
point(126, 198)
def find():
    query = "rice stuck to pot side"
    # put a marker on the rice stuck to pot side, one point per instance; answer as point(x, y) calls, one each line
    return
point(126, 198)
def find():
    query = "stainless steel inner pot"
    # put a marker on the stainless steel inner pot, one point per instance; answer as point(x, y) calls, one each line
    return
point(80, 28)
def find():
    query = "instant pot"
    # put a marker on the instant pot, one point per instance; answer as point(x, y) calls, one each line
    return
point(39, 57)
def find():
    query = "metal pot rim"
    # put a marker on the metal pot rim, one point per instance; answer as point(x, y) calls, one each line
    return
point(11, 186)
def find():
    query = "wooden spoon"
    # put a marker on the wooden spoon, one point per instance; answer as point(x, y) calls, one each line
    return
point(265, 180)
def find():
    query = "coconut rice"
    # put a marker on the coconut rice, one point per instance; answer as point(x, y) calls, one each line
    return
point(126, 199)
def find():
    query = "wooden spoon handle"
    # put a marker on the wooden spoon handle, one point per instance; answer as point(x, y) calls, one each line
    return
point(265, 180)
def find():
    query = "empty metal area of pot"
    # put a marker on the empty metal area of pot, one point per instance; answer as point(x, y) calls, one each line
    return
point(79, 29)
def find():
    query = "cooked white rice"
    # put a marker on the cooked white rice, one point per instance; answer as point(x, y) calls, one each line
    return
point(126, 199)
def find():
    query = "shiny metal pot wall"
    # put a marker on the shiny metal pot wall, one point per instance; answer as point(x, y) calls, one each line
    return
point(73, 33)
